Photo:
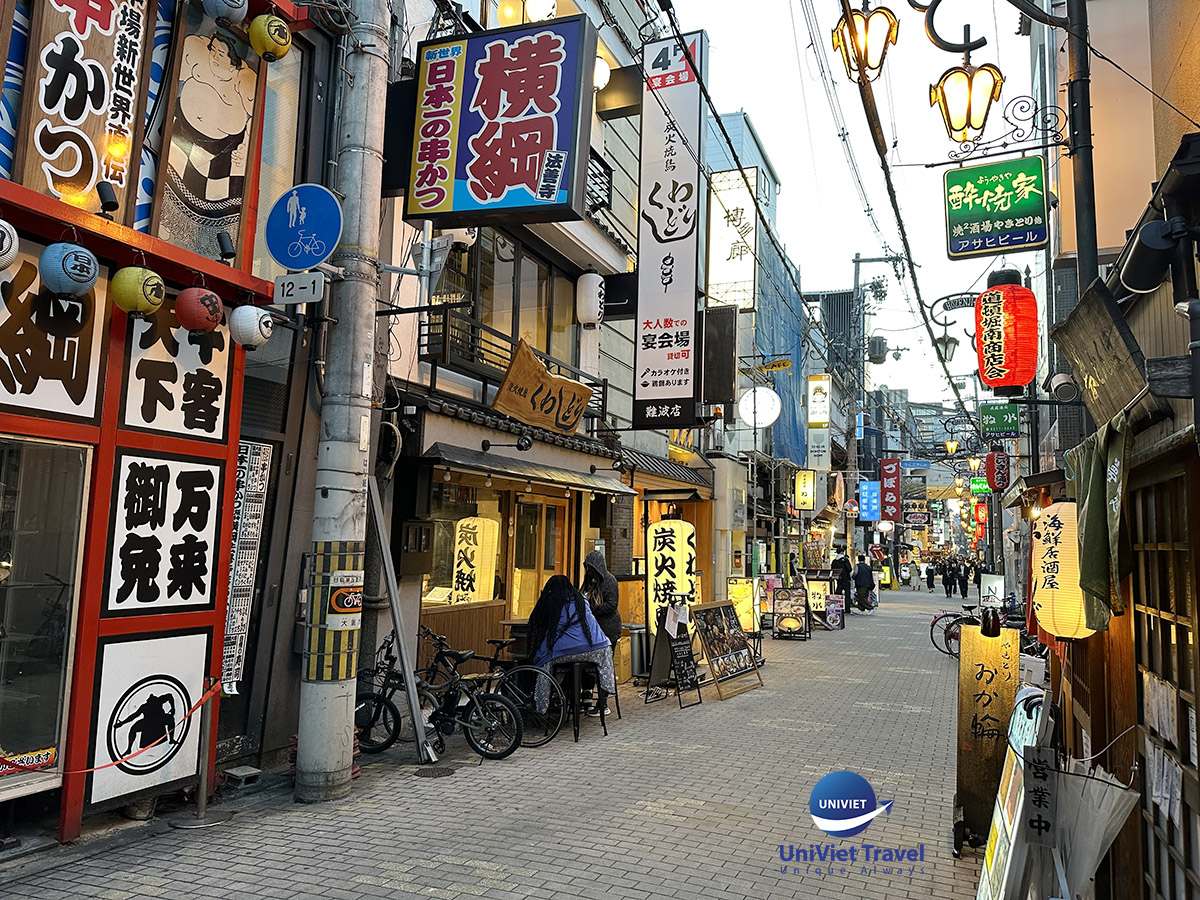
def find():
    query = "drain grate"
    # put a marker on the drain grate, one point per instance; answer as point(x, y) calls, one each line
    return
point(434, 772)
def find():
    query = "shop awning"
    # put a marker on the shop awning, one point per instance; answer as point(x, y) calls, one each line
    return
point(690, 479)
point(507, 467)
point(1012, 496)
point(669, 496)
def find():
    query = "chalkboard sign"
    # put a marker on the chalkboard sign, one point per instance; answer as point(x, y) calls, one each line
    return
point(726, 648)
point(672, 658)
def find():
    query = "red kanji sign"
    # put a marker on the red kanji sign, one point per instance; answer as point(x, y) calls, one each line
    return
point(889, 490)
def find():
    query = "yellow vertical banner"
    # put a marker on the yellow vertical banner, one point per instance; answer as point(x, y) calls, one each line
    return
point(670, 564)
point(475, 543)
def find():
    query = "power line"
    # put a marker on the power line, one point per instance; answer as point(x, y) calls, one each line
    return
point(1116, 65)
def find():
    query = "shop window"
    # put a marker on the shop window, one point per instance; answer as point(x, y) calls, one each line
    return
point(497, 268)
point(564, 340)
point(281, 124)
point(470, 540)
point(41, 507)
point(533, 316)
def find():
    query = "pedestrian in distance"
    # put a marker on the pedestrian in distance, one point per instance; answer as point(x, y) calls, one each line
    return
point(949, 577)
point(930, 575)
point(841, 571)
point(864, 581)
point(964, 577)
point(979, 572)
point(603, 594)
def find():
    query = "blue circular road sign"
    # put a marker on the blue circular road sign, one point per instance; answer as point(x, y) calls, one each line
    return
point(304, 226)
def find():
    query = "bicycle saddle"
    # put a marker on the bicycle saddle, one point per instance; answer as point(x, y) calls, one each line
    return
point(970, 608)
point(459, 656)
point(501, 643)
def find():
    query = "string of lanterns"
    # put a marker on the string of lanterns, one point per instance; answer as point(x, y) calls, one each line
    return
point(270, 36)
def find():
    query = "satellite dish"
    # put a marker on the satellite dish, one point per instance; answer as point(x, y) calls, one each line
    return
point(760, 407)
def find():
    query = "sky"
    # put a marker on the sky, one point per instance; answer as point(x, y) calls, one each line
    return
point(762, 60)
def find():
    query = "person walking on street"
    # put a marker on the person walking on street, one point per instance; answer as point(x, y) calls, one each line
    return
point(930, 574)
point(979, 572)
point(949, 577)
point(864, 581)
point(841, 571)
point(964, 575)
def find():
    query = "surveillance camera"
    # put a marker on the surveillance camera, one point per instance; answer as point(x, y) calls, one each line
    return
point(524, 442)
point(1064, 388)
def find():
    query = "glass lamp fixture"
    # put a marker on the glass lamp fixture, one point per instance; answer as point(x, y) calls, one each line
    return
point(964, 95)
point(951, 447)
point(958, 481)
point(974, 462)
point(945, 346)
point(601, 73)
point(872, 33)
point(540, 10)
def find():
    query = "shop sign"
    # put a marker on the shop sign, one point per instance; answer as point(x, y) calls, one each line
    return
point(1040, 810)
point(820, 400)
point(889, 479)
point(1057, 597)
point(868, 498)
point(502, 124)
point(996, 208)
point(672, 201)
point(733, 233)
point(176, 381)
point(999, 420)
point(476, 540)
point(52, 349)
point(671, 567)
point(147, 686)
point(806, 490)
point(819, 453)
point(979, 485)
point(249, 510)
point(530, 394)
point(87, 62)
point(913, 500)
point(163, 534)
point(998, 470)
point(988, 678)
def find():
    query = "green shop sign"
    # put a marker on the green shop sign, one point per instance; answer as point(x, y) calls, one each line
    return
point(998, 420)
point(996, 208)
point(979, 485)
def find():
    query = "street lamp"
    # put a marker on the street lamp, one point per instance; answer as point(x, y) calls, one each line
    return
point(974, 462)
point(865, 40)
point(964, 95)
point(945, 346)
point(951, 446)
point(958, 481)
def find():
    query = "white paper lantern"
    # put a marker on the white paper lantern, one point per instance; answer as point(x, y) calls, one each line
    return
point(250, 326)
point(601, 73)
point(540, 10)
point(225, 11)
point(68, 269)
point(589, 299)
point(1054, 564)
point(10, 245)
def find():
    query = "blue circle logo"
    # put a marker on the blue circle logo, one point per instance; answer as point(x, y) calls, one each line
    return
point(843, 804)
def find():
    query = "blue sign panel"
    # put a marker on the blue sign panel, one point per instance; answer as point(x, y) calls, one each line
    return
point(915, 464)
point(303, 227)
point(868, 501)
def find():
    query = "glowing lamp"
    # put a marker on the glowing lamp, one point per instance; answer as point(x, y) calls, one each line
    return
point(198, 309)
point(883, 526)
point(872, 33)
point(974, 462)
point(1006, 334)
point(601, 73)
point(226, 12)
point(951, 447)
point(270, 37)
point(137, 291)
point(10, 245)
point(251, 327)
point(1057, 597)
point(964, 95)
point(68, 270)
point(589, 299)
point(540, 10)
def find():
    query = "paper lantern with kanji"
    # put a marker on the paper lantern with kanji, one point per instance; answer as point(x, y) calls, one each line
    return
point(198, 309)
point(1057, 597)
point(999, 472)
point(1006, 334)
point(981, 513)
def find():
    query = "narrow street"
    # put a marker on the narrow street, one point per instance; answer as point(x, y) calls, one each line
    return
point(673, 803)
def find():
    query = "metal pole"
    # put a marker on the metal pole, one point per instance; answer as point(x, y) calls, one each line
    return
point(325, 748)
point(201, 818)
point(1079, 99)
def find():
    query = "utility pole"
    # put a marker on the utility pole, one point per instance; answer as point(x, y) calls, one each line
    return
point(325, 748)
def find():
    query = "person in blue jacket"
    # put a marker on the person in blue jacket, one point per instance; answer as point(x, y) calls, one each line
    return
point(563, 629)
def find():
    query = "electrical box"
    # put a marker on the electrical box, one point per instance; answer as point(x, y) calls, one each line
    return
point(416, 548)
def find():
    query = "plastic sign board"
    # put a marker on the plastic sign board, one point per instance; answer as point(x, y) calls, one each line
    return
point(673, 202)
point(996, 208)
point(979, 485)
point(806, 490)
point(733, 231)
point(298, 288)
point(868, 498)
point(303, 227)
point(502, 125)
point(889, 477)
point(820, 388)
point(999, 420)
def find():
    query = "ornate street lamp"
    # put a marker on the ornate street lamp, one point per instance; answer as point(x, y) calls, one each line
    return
point(964, 95)
point(871, 32)
point(974, 462)
point(945, 346)
point(951, 446)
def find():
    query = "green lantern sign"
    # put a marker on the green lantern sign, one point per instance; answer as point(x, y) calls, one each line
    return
point(996, 208)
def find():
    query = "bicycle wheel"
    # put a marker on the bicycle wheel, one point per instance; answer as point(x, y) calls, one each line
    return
point(954, 633)
point(937, 630)
point(519, 684)
point(493, 727)
point(377, 722)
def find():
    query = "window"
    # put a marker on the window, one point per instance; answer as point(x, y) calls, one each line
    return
point(533, 318)
point(497, 268)
point(281, 124)
point(470, 540)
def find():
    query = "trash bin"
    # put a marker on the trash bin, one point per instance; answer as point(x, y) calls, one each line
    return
point(638, 657)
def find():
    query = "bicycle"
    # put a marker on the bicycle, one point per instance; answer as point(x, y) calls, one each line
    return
point(1010, 611)
point(490, 723)
point(306, 243)
point(518, 682)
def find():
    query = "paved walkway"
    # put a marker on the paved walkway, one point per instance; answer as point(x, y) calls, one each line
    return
point(673, 804)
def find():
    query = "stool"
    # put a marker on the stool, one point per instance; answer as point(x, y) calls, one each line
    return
point(574, 670)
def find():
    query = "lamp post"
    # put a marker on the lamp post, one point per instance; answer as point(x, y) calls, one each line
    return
point(866, 38)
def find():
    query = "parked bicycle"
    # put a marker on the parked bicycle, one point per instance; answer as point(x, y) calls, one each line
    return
point(1012, 615)
point(519, 681)
point(490, 723)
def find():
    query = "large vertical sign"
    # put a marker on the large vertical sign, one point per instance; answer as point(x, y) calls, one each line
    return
point(502, 121)
point(820, 404)
point(249, 511)
point(806, 490)
point(671, 203)
point(83, 104)
point(996, 208)
point(732, 238)
point(914, 504)
point(868, 501)
point(671, 564)
point(889, 487)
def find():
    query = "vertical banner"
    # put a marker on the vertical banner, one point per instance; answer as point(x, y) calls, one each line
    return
point(988, 677)
point(889, 479)
point(820, 401)
point(806, 490)
point(476, 541)
point(868, 501)
point(670, 200)
point(732, 234)
point(913, 500)
point(671, 564)
point(249, 510)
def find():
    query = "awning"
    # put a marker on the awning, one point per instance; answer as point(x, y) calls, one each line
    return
point(667, 468)
point(506, 466)
point(667, 496)
point(1012, 496)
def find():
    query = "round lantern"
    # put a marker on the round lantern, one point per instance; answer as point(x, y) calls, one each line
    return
point(589, 299)
point(981, 513)
point(1006, 334)
point(68, 269)
point(1054, 571)
point(10, 245)
point(198, 309)
point(270, 37)
point(250, 326)
point(226, 12)
point(999, 473)
point(137, 291)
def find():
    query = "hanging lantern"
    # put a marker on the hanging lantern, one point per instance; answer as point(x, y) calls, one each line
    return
point(250, 326)
point(68, 269)
point(589, 299)
point(137, 291)
point(198, 309)
point(540, 10)
point(981, 513)
point(1006, 334)
point(270, 37)
point(874, 31)
point(226, 12)
point(964, 96)
point(1057, 597)
point(10, 245)
point(998, 470)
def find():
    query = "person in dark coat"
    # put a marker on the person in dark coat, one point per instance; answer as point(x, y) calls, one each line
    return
point(603, 594)
point(964, 577)
point(930, 572)
point(949, 577)
point(841, 571)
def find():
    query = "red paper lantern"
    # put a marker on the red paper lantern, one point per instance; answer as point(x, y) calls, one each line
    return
point(198, 309)
point(978, 532)
point(1006, 334)
point(981, 513)
point(999, 472)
